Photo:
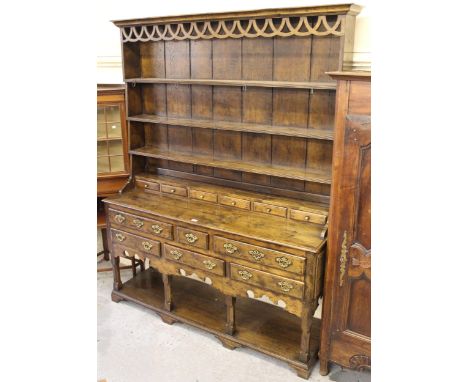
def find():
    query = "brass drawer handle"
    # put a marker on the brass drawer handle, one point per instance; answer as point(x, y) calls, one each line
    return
point(156, 229)
point(176, 254)
point(307, 217)
point(283, 262)
point(191, 238)
point(202, 196)
point(209, 264)
point(285, 286)
point(257, 255)
point(172, 190)
point(268, 210)
point(138, 223)
point(119, 237)
point(146, 186)
point(230, 248)
point(119, 218)
point(147, 245)
point(244, 275)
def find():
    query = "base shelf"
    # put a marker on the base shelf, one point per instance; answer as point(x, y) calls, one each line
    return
point(273, 331)
point(306, 174)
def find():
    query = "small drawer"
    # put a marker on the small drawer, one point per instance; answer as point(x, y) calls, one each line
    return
point(147, 185)
point(193, 259)
point(141, 224)
point(138, 243)
point(308, 216)
point(234, 202)
point(270, 209)
point(203, 195)
point(175, 190)
point(266, 280)
point(190, 237)
point(259, 255)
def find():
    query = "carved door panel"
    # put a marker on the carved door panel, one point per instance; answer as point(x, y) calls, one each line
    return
point(352, 323)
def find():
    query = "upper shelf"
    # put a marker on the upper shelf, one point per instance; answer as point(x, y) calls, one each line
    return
point(307, 174)
point(236, 126)
point(318, 85)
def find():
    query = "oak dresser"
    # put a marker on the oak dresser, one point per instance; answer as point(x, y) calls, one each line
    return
point(225, 217)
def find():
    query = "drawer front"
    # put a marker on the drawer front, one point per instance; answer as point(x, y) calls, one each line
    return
point(234, 202)
point(270, 209)
point(193, 259)
point(141, 224)
point(266, 280)
point(203, 195)
point(175, 190)
point(259, 255)
point(307, 216)
point(191, 237)
point(147, 185)
point(138, 243)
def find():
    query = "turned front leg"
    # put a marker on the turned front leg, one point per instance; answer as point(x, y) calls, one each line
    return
point(167, 281)
point(115, 260)
point(230, 315)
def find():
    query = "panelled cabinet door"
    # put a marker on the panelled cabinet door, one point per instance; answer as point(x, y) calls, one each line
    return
point(352, 310)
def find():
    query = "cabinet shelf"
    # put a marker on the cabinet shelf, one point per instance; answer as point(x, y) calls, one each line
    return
point(309, 174)
point(236, 126)
point(319, 85)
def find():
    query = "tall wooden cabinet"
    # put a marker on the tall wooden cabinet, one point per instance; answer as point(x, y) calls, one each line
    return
point(231, 119)
point(346, 318)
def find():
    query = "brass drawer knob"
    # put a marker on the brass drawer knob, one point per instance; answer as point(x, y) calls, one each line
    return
point(257, 255)
point(202, 196)
point(156, 229)
point(119, 237)
point(245, 275)
point(172, 190)
point(146, 186)
point(233, 203)
point(306, 217)
point(268, 210)
point(147, 245)
point(138, 223)
point(285, 286)
point(283, 262)
point(191, 238)
point(119, 218)
point(209, 264)
point(230, 248)
point(176, 254)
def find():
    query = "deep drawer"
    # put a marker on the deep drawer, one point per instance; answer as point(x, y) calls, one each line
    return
point(266, 280)
point(138, 243)
point(259, 255)
point(191, 237)
point(141, 224)
point(193, 259)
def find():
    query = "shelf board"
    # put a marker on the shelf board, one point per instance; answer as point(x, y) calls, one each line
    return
point(236, 126)
point(109, 139)
point(310, 175)
point(319, 85)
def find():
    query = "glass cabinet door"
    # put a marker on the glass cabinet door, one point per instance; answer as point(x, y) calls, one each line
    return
point(110, 151)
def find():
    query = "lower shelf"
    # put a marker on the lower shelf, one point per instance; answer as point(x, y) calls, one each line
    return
point(259, 326)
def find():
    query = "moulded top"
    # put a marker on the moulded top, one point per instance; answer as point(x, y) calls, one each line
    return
point(336, 9)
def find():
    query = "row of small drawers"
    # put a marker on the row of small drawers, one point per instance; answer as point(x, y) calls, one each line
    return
point(233, 201)
point(223, 246)
point(209, 264)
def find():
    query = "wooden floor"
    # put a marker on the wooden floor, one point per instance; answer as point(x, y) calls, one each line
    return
point(259, 326)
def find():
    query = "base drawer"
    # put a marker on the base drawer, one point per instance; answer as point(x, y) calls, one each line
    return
point(136, 242)
point(138, 223)
point(259, 255)
point(274, 283)
point(193, 259)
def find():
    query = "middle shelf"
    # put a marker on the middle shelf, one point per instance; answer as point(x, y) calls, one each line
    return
point(306, 174)
point(236, 126)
